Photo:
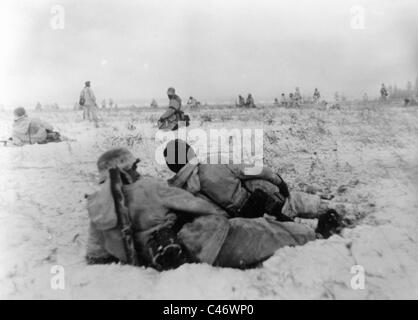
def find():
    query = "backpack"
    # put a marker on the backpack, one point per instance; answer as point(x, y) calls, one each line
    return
point(82, 100)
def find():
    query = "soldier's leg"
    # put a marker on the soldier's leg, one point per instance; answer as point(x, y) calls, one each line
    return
point(251, 241)
point(89, 112)
point(302, 205)
point(94, 116)
point(305, 205)
point(96, 252)
point(310, 206)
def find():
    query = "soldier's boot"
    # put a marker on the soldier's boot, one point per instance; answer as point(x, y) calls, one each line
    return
point(329, 223)
point(166, 251)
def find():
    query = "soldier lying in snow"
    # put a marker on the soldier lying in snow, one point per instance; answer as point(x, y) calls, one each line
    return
point(169, 226)
point(31, 130)
point(241, 192)
point(193, 103)
point(232, 187)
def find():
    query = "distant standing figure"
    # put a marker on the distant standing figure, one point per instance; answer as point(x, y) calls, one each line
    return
point(283, 100)
point(291, 100)
point(241, 101)
point(336, 97)
point(276, 102)
point(297, 97)
point(27, 130)
point(193, 103)
point(383, 93)
point(365, 97)
point(154, 104)
point(88, 101)
point(316, 95)
point(250, 101)
point(38, 106)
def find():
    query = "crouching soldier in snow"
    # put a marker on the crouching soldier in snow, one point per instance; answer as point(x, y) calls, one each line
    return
point(316, 96)
point(28, 130)
point(142, 221)
point(171, 118)
point(245, 192)
point(193, 103)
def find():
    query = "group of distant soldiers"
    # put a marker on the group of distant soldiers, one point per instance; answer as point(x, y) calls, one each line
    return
point(109, 104)
point(249, 103)
point(26, 129)
point(295, 98)
point(409, 99)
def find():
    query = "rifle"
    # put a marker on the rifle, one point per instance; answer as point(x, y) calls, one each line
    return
point(124, 220)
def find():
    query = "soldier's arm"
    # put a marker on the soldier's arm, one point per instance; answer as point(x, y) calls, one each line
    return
point(167, 114)
point(96, 253)
point(174, 104)
point(263, 173)
point(177, 199)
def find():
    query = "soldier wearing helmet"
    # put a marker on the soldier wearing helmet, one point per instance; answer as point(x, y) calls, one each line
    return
point(27, 130)
point(170, 226)
point(153, 207)
point(171, 118)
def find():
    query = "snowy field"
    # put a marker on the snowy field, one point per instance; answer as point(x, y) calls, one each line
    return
point(366, 156)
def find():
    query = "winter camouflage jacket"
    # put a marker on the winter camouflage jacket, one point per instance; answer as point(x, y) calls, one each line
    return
point(211, 237)
point(29, 131)
point(169, 120)
point(222, 183)
point(152, 205)
point(89, 97)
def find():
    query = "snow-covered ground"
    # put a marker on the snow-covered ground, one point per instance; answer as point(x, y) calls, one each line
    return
point(366, 156)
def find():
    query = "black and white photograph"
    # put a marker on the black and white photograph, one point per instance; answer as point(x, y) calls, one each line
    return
point(237, 150)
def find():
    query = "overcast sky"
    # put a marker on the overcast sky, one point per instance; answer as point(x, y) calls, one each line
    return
point(213, 50)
